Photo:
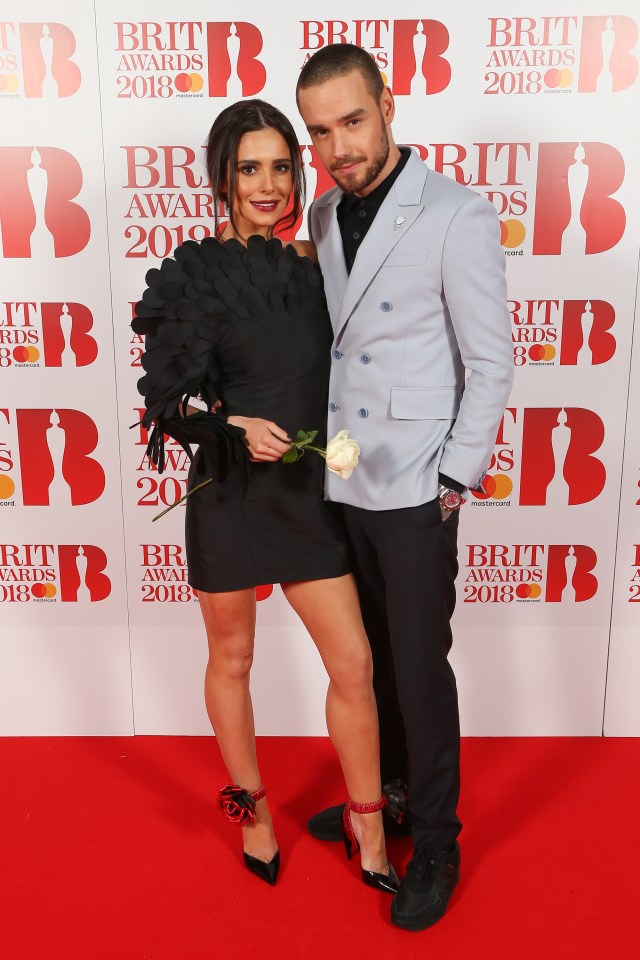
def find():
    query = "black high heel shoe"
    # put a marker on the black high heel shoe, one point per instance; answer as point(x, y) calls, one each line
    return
point(388, 882)
point(239, 806)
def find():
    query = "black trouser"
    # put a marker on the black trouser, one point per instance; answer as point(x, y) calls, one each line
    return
point(405, 564)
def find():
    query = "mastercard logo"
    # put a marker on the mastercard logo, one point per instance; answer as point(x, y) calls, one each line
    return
point(542, 351)
point(264, 591)
point(558, 78)
point(7, 488)
point(8, 83)
point(528, 591)
point(512, 233)
point(26, 354)
point(42, 590)
point(188, 82)
point(497, 487)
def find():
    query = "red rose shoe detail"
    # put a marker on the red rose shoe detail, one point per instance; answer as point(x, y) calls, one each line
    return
point(238, 805)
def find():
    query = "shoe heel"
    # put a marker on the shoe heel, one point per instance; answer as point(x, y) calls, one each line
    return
point(348, 847)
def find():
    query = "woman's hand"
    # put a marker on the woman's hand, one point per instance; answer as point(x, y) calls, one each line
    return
point(266, 441)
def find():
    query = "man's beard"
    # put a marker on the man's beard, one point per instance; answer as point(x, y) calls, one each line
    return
point(359, 181)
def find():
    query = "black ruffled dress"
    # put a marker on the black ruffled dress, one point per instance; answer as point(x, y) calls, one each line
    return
point(249, 327)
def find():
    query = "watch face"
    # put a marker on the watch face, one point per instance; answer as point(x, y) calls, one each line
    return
point(451, 500)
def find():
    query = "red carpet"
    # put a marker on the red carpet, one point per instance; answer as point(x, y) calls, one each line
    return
point(113, 848)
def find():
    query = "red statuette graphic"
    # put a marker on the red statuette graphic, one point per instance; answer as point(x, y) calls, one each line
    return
point(47, 67)
point(570, 573)
point(419, 66)
point(82, 573)
point(65, 331)
point(607, 61)
point(55, 462)
point(586, 336)
point(234, 67)
point(558, 463)
point(575, 211)
point(38, 215)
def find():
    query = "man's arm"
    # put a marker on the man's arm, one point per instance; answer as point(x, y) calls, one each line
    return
point(473, 274)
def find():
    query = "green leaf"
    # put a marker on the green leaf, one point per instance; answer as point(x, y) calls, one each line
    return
point(291, 455)
point(306, 438)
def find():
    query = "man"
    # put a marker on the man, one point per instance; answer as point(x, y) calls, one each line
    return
point(414, 278)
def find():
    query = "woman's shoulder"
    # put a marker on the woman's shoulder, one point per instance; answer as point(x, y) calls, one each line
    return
point(304, 248)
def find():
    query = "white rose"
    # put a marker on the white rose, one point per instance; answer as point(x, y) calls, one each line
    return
point(342, 454)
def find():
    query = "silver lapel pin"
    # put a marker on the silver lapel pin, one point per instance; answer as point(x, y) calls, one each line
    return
point(397, 223)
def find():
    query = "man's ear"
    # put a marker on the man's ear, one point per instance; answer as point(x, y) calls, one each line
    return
point(387, 105)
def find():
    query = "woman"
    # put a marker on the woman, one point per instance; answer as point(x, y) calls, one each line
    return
point(241, 321)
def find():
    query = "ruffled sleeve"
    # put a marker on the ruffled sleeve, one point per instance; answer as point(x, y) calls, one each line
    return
point(180, 316)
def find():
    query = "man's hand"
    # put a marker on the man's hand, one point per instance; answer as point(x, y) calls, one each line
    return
point(445, 513)
point(266, 441)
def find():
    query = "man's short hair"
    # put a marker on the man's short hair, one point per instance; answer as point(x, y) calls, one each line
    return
point(337, 60)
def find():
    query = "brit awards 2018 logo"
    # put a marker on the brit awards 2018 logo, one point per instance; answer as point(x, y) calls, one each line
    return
point(155, 490)
point(634, 582)
point(47, 572)
point(552, 450)
point(163, 577)
point(530, 573)
point(39, 215)
point(548, 333)
point(562, 194)
point(167, 199)
point(561, 54)
point(46, 334)
point(409, 53)
point(50, 451)
point(158, 60)
point(36, 61)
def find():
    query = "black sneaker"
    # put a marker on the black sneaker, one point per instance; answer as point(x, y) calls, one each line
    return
point(425, 890)
point(327, 825)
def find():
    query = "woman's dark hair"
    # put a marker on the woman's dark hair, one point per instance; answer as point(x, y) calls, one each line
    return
point(337, 60)
point(229, 127)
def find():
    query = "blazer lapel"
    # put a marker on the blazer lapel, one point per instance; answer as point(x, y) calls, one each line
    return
point(331, 254)
point(400, 208)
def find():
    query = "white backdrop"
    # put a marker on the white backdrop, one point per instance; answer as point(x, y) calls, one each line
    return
point(103, 115)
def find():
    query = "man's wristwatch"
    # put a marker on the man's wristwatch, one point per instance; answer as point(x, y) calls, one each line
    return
point(449, 499)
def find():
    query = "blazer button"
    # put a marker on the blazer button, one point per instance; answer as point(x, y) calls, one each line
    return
point(365, 358)
point(333, 407)
point(363, 412)
point(385, 306)
point(336, 354)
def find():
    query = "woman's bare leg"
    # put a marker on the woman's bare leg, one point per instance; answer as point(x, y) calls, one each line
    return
point(330, 611)
point(230, 620)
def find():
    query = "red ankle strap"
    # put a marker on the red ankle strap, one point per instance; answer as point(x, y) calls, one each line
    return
point(368, 807)
point(258, 794)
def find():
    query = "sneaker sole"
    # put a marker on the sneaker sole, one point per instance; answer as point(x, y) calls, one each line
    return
point(414, 923)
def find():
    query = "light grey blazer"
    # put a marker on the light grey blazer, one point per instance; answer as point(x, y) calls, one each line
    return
point(426, 301)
